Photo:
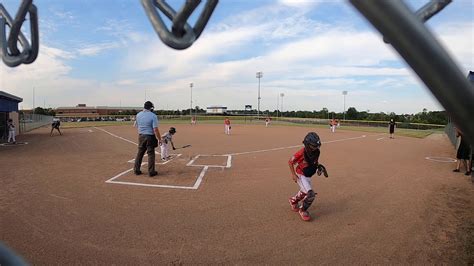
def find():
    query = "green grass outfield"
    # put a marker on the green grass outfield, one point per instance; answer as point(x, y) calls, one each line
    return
point(399, 131)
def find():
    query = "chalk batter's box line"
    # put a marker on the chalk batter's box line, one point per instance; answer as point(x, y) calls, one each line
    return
point(228, 164)
point(195, 186)
point(163, 163)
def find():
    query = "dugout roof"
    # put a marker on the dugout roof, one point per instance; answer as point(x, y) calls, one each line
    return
point(8, 102)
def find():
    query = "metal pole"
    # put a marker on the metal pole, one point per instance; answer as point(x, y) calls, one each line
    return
point(259, 76)
point(344, 93)
point(278, 103)
point(191, 106)
point(282, 94)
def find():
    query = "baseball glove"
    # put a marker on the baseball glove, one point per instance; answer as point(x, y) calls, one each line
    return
point(322, 170)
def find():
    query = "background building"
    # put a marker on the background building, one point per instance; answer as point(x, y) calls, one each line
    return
point(83, 111)
point(216, 109)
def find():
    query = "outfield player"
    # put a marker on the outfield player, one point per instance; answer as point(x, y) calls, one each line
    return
point(333, 125)
point(167, 138)
point(391, 128)
point(303, 165)
point(193, 120)
point(267, 121)
point(227, 126)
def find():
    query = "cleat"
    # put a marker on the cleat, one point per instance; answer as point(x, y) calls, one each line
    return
point(304, 215)
point(137, 172)
point(293, 204)
point(151, 174)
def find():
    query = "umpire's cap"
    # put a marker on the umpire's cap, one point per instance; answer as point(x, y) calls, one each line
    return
point(148, 105)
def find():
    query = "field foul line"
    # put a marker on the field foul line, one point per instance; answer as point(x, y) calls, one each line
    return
point(291, 147)
point(195, 186)
point(112, 134)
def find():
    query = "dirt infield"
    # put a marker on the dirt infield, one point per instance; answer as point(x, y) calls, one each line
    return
point(69, 199)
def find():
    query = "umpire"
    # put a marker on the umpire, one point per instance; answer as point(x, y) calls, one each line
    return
point(148, 139)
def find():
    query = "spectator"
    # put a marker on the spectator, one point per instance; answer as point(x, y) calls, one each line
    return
point(463, 154)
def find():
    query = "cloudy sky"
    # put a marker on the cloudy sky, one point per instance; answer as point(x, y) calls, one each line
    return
point(105, 52)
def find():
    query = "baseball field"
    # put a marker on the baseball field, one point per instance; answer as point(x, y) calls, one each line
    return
point(73, 199)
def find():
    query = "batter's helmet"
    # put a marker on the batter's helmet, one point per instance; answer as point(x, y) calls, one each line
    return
point(312, 141)
point(172, 130)
point(148, 105)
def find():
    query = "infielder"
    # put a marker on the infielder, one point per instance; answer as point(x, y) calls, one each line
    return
point(267, 121)
point(227, 126)
point(306, 162)
point(167, 138)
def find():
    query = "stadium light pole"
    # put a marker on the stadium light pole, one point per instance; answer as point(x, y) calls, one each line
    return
point(191, 103)
point(344, 93)
point(259, 76)
point(281, 112)
point(278, 103)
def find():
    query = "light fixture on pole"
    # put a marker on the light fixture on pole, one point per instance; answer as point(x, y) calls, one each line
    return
point(191, 103)
point(344, 93)
point(259, 76)
point(281, 112)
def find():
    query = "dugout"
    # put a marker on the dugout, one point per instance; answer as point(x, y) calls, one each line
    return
point(8, 109)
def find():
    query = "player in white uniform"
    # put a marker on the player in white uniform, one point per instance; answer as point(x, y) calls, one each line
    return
point(167, 138)
point(227, 126)
point(11, 131)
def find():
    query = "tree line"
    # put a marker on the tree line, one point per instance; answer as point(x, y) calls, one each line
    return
point(425, 116)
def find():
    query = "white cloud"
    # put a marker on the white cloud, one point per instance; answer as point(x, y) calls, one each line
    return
point(458, 40)
point(95, 49)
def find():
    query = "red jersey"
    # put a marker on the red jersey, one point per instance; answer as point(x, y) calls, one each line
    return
point(298, 159)
point(227, 121)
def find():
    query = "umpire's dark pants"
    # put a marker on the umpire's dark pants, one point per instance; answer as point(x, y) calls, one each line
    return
point(146, 143)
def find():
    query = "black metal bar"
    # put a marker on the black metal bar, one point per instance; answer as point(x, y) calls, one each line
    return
point(431, 8)
point(181, 18)
point(16, 26)
point(414, 42)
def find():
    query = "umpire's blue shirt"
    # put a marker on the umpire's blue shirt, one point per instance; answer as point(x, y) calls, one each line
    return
point(146, 121)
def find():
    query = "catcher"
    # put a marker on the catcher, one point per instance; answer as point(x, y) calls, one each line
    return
point(306, 163)
point(167, 138)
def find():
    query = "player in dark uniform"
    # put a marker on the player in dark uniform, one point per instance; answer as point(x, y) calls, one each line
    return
point(391, 128)
point(55, 125)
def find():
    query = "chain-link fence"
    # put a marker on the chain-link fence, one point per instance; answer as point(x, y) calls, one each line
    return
point(450, 131)
point(29, 122)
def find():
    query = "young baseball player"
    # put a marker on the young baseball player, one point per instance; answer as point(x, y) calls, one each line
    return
point(333, 125)
point(227, 126)
point(11, 131)
point(303, 165)
point(167, 138)
point(55, 125)
point(267, 121)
